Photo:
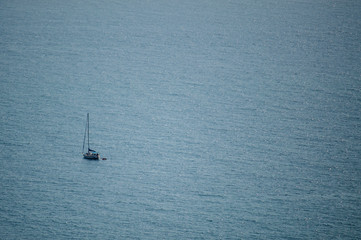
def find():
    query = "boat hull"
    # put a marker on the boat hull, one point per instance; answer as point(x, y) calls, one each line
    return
point(91, 156)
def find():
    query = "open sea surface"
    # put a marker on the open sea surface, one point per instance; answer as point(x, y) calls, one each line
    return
point(219, 119)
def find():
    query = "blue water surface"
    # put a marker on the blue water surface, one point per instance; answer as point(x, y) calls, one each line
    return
point(218, 119)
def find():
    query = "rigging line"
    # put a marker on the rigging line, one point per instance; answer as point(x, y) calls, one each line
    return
point(88, 132)
point(86, 125)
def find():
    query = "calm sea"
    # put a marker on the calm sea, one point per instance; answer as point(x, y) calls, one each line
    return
point(218, 119)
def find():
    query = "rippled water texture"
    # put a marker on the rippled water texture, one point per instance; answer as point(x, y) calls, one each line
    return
point(218, 119)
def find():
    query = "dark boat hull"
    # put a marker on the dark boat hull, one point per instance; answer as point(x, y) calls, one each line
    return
point(91, 156)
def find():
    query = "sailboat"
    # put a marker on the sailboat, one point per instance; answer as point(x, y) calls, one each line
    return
point(91, 154)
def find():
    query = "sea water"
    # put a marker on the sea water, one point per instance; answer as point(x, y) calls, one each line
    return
point(218, 119)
